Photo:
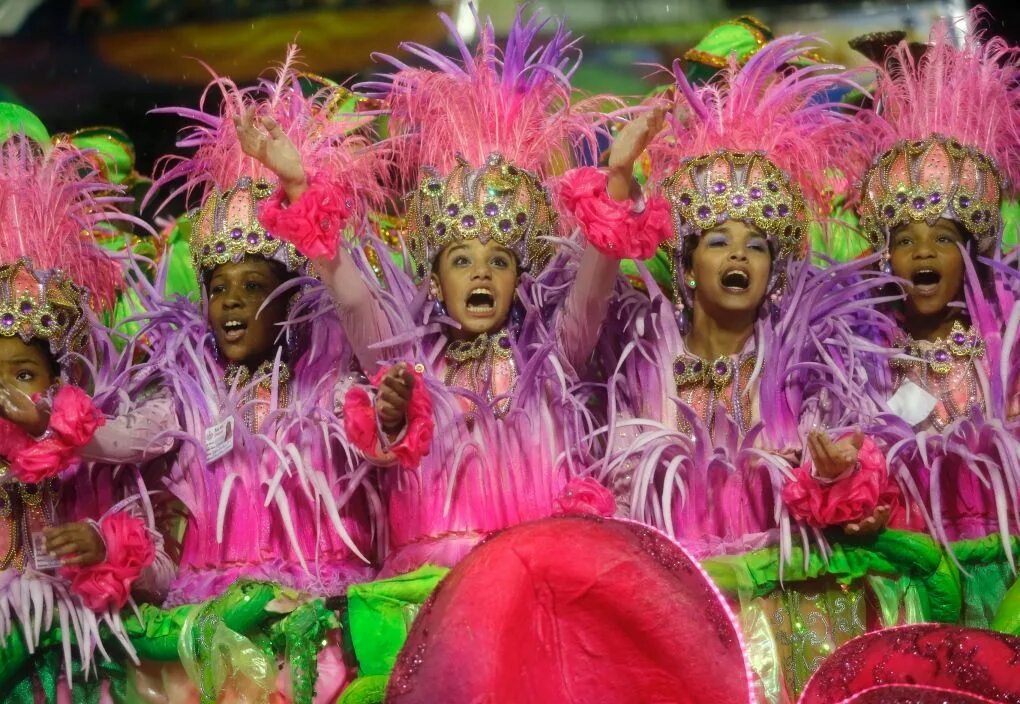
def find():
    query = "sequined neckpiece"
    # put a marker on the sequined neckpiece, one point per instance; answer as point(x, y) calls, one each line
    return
point(471, 364)
point(726, 380)
point(938, 355)
point(944, 367)
point(240, 377)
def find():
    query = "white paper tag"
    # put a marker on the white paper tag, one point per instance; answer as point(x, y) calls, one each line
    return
point(44, 562)
point(219, 440)
point(912, 403)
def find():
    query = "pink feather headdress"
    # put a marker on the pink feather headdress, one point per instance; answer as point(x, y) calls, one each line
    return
point(230, 185)
point(757, 145)
point(479, 135)
point(947, 128)
point(51, 268)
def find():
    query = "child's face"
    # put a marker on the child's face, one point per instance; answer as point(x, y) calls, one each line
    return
point(929, 257)
point(236, 294)
point(25, 367)
point(476, 282)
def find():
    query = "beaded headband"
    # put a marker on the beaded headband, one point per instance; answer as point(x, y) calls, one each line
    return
point(227, 229)
point(42, 305)
point(497, 201)
point(922, 181)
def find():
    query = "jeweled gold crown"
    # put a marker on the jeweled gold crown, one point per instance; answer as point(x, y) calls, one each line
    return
point(727, 185)
point(497, 201)
point(45, 305)
point(227, 229)
point(937, 177)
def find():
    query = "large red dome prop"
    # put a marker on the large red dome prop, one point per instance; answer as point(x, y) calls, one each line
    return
point(574, 610)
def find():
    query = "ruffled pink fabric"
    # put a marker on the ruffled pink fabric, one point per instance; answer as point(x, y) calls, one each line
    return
point(610, 225)
point(584, 496)
point(313, 224)
point(73, 421)
point(362, 429)
point(845, 500)
point(129, 550)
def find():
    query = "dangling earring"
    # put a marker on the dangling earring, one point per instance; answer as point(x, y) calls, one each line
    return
point(516, 314)
point(439, 309)
point(691, 283)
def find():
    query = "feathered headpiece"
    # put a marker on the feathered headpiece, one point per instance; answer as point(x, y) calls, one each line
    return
point(948, 131)
point(755, 146)
point(231, 185)
point(480, 135)
point(50, 265)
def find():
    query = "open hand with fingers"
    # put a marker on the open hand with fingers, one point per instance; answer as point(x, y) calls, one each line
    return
point(263, 139)
point(393, 397)
point(19, 408)
point(78, 544)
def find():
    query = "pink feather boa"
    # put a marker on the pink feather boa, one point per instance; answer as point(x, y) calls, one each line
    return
point(612, 226)
point(847, 499)
point(73, 421)
point(312, 224)
point(129, 550)
point(363, 430)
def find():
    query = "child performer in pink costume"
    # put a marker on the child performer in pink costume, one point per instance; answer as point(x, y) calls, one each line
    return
point(76, 534)
point(947, 132)
point(262, 472)
point(714, 404)
point(484, 428)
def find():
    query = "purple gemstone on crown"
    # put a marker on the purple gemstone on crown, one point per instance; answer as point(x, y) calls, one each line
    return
point(977, 216)
point(696, 368)
point(505, 225)
point(441, 229)
point(901, 198)
point(452, 209)
point(433, 185)
point(738, 200)
point(685, 199)
point(468, 221)
point(756, 193)
point(720, 367)
point(244, 182)
point(267, 236)
point(918, 202)
point(504, 342)
point(941, 356)
point(679, 367)
point(47, 321)
point(26, 307)
point(959, 338)
point(889, 211)
point(964, 201)
point(426, 220)
point(719, 186)
point(772, 186)
point(935, 198)
point(491, 209)
point(236, 233)
point(784, 210)
point(521, 218)
point(253, 238)
point(220, 248)
point(704, 211)
point(768, 211)
point(206, 250)
point(8, 320)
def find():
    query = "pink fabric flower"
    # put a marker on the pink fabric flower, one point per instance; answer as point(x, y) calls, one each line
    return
point(362, 428)
point(610, 225)
point(846, 500)
point(129, 550)
point(313, 224)
point(585, 496)
point(74, 420)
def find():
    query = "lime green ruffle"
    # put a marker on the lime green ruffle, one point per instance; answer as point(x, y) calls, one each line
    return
point(892, 553)
point(986, 578)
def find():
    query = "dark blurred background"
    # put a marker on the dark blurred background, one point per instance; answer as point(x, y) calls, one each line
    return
point(78, 63)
